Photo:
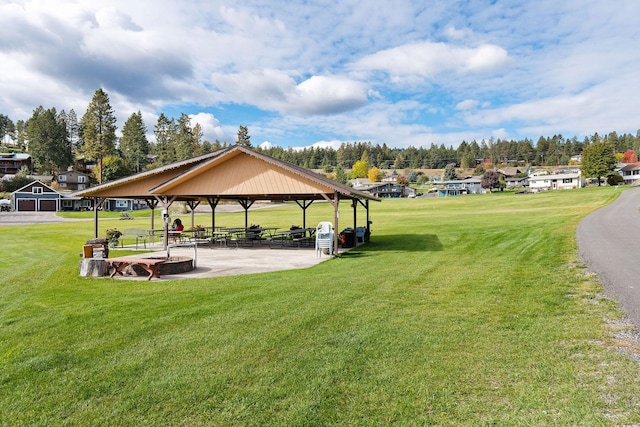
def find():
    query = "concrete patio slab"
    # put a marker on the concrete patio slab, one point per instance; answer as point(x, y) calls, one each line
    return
point(216, 261)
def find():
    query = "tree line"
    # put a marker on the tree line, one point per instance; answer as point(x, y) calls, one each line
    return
point(56, 139)
point(547, 151)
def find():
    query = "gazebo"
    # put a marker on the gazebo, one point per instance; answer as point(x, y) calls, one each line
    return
point(236, 174)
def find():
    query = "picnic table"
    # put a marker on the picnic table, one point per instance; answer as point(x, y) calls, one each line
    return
point(151, 265)
point(292, 237)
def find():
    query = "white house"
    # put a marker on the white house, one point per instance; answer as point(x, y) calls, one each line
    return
point(462, 186)
point(631, 173)
point(564, 181)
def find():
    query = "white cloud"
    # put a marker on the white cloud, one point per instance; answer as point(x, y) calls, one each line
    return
point(400, 73)
point(467, 104)
point(210, 126)
point(455, 34)
point(428, 59)
point(277, 91)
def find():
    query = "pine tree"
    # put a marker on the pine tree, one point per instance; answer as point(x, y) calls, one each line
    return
point(184, 138)
point(48, 141)
point(7, 128)
point(98, 128)
point(164, 148)
point(134, 144)
point(243, 137)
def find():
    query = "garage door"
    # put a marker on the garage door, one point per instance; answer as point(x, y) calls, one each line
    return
point(26, 205)
point(48, 205)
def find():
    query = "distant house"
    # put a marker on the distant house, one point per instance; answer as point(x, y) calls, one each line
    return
point(71, 203)
point(36, 197)
point(556, 182)
point(123, 205)
point(11, 163)
point(517, 182)
point(509, 172)
point(461, 186)
point(39, 197)
point(387, 189)
point(73, 180)
point(631, 173)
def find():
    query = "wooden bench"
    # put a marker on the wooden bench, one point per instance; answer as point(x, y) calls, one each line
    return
point(150, 265)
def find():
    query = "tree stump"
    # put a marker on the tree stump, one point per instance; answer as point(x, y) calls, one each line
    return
point(94, 267)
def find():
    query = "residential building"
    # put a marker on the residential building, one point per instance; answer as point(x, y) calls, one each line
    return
point(11, 163)
point(73, 180)
point(631, 173)
point(461, 186)
point(385, 189)
point(36, 197)
point(556, 182)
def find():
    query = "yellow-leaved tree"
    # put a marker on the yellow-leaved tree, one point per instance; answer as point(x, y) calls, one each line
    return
point(375, 174)
point(359, 169)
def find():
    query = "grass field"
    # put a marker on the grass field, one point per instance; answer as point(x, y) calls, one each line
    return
point(469, 310)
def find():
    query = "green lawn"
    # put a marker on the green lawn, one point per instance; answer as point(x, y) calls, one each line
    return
point(471, 310)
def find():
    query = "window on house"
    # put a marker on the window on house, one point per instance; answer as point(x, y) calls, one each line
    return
point(67, 204)
point(82, 179)
point(62, 178)
point(81, 187)
point(121, 203)
point(63, 185)
point(36, 190)
point(567, 181)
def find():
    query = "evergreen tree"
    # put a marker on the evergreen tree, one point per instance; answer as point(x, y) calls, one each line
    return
point(7, 128)
point(450, 172)
point(48, 142)
point(243, 137)
point(341, 175)
point(164, 148)
point(598, 160)
point(184, 141)
point(98, 129)
point(134, 144)
point(21, 135)
point(73, 130)
point(198, 134)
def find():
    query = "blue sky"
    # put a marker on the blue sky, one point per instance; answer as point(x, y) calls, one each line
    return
point(299, 73)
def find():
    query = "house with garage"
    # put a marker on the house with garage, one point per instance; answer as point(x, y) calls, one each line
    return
point(39, 197)
point(566, 181)
point(36, 197)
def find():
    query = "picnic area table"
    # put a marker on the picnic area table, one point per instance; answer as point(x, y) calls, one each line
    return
point(151, 265)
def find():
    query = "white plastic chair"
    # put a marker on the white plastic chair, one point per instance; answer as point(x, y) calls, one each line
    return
point(324, 238)
point(360, 234)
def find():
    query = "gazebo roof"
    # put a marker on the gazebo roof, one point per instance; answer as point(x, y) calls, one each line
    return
point(138, 185)
point(234, 173)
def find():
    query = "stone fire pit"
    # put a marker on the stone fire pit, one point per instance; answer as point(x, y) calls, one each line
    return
point(173, 265)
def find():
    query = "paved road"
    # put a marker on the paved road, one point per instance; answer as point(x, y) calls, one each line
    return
point(24, 218)
point(608, 243)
